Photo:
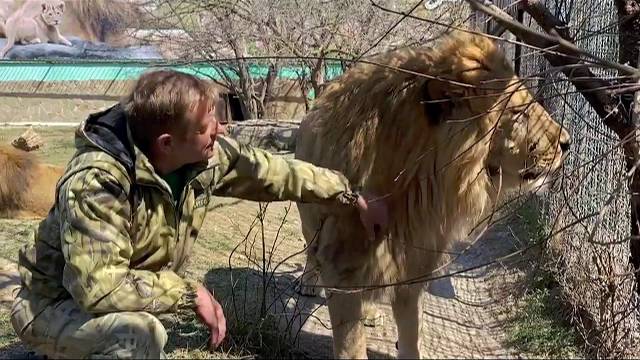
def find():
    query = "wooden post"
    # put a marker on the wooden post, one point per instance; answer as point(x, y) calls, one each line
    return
point(634, 189)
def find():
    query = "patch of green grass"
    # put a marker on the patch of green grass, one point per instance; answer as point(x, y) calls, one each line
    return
point(530, 226)
point(540, 328)
point(257, 338)
point(7, 335)
point(13, 235)
point(263, 339)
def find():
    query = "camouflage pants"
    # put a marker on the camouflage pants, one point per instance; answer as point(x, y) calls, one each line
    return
point(63, 330)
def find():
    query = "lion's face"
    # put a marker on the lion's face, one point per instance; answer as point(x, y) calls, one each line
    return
point(483, 96)
point(52, 12)
point(527, 146)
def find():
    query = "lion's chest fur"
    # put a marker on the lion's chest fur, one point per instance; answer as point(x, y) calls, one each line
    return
point(422, 228)
point(27, 29)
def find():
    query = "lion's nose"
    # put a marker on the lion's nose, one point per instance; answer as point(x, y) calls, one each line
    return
point(565, 141)
point(565, 144)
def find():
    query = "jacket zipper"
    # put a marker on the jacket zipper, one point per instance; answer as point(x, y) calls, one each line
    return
point(177, 209)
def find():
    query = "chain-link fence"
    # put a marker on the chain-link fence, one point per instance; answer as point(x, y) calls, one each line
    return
point(587, 212)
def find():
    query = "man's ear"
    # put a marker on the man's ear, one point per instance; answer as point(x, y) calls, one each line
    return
point(439, 97)
point(164, 143)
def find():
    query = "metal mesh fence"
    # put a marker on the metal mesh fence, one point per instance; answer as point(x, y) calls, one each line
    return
point(587, 212)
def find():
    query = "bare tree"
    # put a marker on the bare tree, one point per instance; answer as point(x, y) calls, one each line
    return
point(319, 38)
point(217, 34)
point(322, 33)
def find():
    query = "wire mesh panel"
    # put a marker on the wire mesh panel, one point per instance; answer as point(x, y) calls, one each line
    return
point(588, 209)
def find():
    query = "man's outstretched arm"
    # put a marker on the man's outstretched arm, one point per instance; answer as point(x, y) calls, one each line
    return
point(254, 174)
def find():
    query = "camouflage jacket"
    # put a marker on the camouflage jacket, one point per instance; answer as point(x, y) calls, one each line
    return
point(115, 240)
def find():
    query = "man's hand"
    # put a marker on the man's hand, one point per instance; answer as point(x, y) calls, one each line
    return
point(373, 214)
point(210, 313)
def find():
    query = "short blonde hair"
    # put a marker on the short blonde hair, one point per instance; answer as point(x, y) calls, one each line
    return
point(160, 101)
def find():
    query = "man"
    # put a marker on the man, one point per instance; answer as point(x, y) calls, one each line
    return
point(128, 210)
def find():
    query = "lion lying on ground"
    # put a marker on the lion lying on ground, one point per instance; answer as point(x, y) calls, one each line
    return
point(27, 187)
point(441, 141)
point(103, 20)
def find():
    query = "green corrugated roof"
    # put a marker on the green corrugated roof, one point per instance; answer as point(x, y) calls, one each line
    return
point(11, 71)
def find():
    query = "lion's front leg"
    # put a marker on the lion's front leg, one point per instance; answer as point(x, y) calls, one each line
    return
point(310, 278)
point(57, 38)
point(349, 338)
point(407, 311)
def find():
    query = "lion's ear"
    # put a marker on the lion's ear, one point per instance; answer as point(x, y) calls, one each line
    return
point(61, 6)
point(439, 98)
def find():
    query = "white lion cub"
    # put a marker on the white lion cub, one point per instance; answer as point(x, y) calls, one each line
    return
point(34, 22)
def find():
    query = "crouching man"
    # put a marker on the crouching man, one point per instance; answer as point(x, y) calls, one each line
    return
point(128, 210)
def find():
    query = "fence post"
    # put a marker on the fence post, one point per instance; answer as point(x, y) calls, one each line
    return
point(634, 241)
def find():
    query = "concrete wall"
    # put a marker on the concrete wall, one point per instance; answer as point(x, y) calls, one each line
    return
point(288, 102)
point(17, 104)
point(269, 134)
point(22, 109)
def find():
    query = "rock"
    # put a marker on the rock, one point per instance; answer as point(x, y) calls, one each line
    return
point(28, 141)
point(266, 134)
point(81, 49)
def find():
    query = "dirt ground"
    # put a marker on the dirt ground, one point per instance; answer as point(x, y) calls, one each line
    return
point(463, 315)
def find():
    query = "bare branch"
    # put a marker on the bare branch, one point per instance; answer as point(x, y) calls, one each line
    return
point(602, 101)
point(544, 41)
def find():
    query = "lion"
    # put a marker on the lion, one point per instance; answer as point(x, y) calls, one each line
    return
point(441, 134)
point(103, 20)
point(6, 9)
point(34, 22)
point(91, 20)
point(27, 186)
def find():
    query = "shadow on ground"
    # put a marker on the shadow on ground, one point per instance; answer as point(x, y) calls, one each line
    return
point(275, 328)
point(464, 314)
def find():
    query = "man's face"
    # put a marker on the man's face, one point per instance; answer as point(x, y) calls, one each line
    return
point(197, 144)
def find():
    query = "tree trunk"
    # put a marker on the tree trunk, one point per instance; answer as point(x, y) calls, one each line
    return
point(249, 107)
point(317, 78)
point(266, 93)
point(304, 89)
point(634, 189)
